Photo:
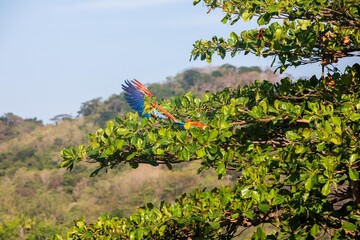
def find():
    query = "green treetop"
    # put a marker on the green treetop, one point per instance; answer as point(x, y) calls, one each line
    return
point(293, 31)
point(295, 143)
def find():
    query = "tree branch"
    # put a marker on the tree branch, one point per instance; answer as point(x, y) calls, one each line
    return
point(266, 120)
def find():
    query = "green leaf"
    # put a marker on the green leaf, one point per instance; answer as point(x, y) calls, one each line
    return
point(277, 104)
point(246, 15)
point(122, 131)
point(234, 37)
point(139, 234)
point(131, 156)
point(181, 137)
point(213, 134)
point(336, 121)
point(185, 154)
point(221, 169)
point(139, 143)
point(336, 141)
point(227, 134)
point(314, 230)
point(255, 196)
point(264, 19)
point(264, 105)
point(259, 234)
point(326, 189)
point(300, 149)
point(200, 152)
point(353, 174)
point(158, 151)
point(264, 207)
point(291, 135)
point(349, 226)
point(279, 199)
point(320, 146)
point(278, 34)
point(215, 225)
point(162, 230)
point(328, 127)
point(338, 130)
point(119, 143)
point(355, 217)
point(197, 102)
point(355, 117)
point(152, 137)
point(224, 124)
point(207, 97)
point(353, 158)
point(96, 171)
point(228, 7)
point(310, 182)
point(225, 19)
point(109, 128)
point(246, 193)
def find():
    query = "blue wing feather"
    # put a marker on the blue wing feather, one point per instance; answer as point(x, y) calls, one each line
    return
point(135, 98)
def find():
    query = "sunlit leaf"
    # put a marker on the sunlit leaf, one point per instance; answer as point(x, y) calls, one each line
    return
point(349, 226)
point(353, 174)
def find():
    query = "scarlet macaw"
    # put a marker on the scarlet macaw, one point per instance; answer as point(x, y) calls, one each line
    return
point(143, 101)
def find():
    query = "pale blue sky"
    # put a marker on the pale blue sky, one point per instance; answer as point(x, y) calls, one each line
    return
point(56, 54)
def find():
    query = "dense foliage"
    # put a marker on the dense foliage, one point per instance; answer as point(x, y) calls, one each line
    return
point(304, 31)
point(295, 144)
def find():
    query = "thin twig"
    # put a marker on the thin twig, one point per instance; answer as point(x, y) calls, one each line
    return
point(266, 120)
point(300, 97)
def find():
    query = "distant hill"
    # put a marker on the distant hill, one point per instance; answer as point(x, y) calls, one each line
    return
point(12, 126)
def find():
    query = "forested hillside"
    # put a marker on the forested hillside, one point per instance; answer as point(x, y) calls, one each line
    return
point(38, 200)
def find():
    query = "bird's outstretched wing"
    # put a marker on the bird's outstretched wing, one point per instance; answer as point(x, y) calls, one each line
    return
point(134, 97)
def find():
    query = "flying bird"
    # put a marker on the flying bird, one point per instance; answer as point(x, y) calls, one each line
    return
point(143, 101)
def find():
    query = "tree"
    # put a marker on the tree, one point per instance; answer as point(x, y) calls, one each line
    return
point(89, 107)
point(190, 77)
point(304, 31)
point(295, 143)
point(61, 117)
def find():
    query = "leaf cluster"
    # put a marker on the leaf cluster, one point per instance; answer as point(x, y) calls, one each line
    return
point(295, 32)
